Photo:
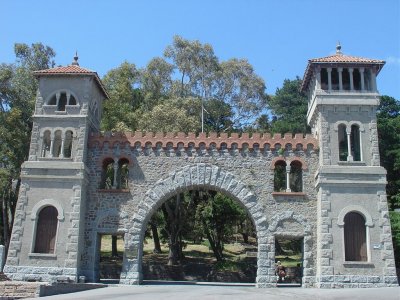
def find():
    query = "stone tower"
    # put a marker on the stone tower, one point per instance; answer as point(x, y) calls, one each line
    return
point(354, 246)
point(46, 240)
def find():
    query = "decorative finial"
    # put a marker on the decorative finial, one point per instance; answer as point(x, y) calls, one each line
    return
point(338, 48)
point(75, 62)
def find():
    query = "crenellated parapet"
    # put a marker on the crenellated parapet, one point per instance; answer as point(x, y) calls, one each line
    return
point(261, 141)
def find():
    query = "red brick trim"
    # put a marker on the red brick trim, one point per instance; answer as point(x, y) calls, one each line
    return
point(262, 140)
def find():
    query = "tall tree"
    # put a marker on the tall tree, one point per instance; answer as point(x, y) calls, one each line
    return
point(125, 97)
point(388, 117)
point(289, 108)
point(18, 89)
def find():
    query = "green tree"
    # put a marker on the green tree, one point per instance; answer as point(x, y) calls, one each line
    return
point(156, 82)
point(388, 118)
point(18, 89)
point(125, 97)
point(173, 115)
point(289, 108)
point(218, 216)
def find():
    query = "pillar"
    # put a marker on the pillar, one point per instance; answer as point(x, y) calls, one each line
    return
point(351, 79)
point(62, 147)
point(287, 179)
point(318, 87)
point(51, 143)
point(58, 99)
point(349, 156)
point(340, 70)
point(114, 186)
point(362, 78)
point(329, 70)
point(373, 80)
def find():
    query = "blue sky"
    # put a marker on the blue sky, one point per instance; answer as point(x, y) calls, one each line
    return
point(277, 37)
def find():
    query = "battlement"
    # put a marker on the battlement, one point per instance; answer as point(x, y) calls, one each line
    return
point(211, 140)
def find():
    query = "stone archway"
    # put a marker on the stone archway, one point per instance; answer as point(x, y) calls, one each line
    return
point(190, 177)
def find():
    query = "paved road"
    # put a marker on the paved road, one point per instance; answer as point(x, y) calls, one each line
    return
point(205, 292)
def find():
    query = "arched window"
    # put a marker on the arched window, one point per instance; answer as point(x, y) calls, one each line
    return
point(46, 144)
point(68, 144)
point(123, 174)
point(355, 143)
point(342, 135)
point(57, 144)
point(107, 176)
point(355, 237)
point(280, 176)
point(61, 99)
point(296, 176)
point(46, 230)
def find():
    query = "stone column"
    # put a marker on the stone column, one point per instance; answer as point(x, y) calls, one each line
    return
point(340, 70)
point(114, 186)
point(58, 98)
point(329, 70)
point(373, 81)
point(287, 179)
point(351, 79)
point(318, 87)
point(62, 147)
point(51, 144)
point(349, 156)
point(362, 78)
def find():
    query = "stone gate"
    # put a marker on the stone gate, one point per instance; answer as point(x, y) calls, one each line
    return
point(338, 208)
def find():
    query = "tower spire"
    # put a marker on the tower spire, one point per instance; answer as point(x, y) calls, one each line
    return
point(75, 62)
point(338, 48)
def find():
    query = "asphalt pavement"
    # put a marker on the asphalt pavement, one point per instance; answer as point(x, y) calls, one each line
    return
point(211, 292)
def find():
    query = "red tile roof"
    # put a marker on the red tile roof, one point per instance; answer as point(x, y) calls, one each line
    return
point(341, 58)
point(71, 70)
point(338, 58)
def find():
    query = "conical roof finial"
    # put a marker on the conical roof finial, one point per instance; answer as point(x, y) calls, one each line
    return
point(75, 62)
point(338, 48)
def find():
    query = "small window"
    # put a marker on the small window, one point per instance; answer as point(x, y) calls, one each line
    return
point(280, 176)
point(72, 100)
point(335, 79)
point(53, 100)
point(342, 136)
point(296, 176)
point(46, 152)
point(62, 102)
point(367, 80)
point(355, 143)
point(107, 177)
point(57, 144)
point(46, 230)
point(123, 174)
point(357, 79)
point(346, 79)
point(324, 79)
point(355, 237)
point(68, 144)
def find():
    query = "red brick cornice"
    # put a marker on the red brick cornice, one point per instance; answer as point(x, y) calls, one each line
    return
point(210, 140)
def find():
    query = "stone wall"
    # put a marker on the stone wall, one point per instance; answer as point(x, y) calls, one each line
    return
point(160, 167)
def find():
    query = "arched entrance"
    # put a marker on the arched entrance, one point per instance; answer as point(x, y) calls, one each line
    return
point(192, 177)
